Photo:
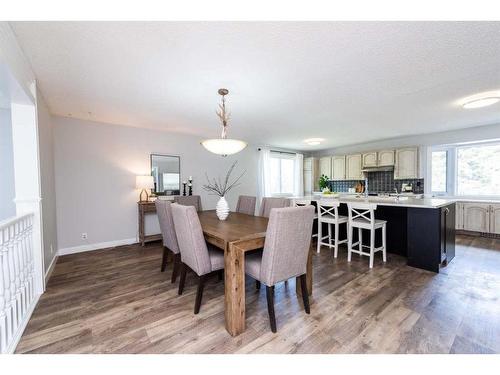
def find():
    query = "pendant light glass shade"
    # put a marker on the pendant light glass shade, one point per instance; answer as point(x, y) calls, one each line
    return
point(224, 147)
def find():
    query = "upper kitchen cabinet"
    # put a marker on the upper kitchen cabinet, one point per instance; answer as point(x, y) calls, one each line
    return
point(353, 165)
point(386, 158)
point(370, 159)
point(406, 165)
point(476, 217)
point(325, 166)
point(338, 167)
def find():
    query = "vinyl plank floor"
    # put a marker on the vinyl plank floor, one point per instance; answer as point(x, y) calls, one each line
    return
point(117, 301)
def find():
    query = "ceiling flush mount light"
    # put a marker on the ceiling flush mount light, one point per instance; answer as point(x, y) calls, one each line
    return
point(481, 100)
point(223, 145)
point(313, 141)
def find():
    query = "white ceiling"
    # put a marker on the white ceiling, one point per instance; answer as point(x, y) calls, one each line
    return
point(347, 82)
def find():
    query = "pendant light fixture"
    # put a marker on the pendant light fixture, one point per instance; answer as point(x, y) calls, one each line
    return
point(223, 145)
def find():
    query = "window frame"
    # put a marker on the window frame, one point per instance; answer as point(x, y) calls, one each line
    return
point(452, 169)
point(283, 155)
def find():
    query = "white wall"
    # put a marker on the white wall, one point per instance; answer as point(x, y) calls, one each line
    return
point(7, 185)
point(47, 181)
point(96, 165)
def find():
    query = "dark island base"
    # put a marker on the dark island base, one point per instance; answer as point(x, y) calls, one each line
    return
point(426, 236)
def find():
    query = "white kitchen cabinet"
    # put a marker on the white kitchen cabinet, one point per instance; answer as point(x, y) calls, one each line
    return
point(406, 165)
point(325, 166)
point(311, 169)
point(459, 215)
point(385, 158)
point(476, 217)
point(338, 167)
point(495, 218)
point(370, 159)
point(353, 167)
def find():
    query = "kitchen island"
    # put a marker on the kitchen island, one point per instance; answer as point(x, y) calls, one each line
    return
point(421, 229)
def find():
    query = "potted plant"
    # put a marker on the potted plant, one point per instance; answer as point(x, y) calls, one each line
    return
point(216, 186)
point(323, 183)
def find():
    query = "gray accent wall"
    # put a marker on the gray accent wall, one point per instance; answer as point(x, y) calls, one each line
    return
point(7, 184)
point(96, 165)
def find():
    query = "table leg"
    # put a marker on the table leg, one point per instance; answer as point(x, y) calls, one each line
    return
point(309, 276)
point(234, 259)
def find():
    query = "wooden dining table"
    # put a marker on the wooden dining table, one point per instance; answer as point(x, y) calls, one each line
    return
point(236, 235)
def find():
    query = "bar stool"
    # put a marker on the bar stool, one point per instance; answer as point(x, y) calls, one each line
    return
point(362, 216)
point(302, 203)
point(328, 212)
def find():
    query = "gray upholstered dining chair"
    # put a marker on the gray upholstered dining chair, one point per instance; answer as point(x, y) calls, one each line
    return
point(164, 212)
point(194, 251)
point(269, 203)
point(246, 205)
point(286, 248)
point(189, 200)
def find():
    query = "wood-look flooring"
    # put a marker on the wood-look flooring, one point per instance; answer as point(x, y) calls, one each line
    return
point(117, 301)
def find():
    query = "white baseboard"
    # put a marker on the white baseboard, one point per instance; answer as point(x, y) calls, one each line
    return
point(48, 273)
point(20, 330)
point(96, 246)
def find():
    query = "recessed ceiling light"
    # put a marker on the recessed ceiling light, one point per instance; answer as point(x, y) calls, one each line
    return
point(313, 141)
point(481, 100)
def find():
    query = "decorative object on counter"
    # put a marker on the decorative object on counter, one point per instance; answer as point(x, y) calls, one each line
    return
point(221, 188)
point(190, 185)
point(323, 182)
point(144, 183)
point(223, 145)
point(359, 187)
point(184, 183)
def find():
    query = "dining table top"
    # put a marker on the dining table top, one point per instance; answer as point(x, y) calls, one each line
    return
point(236, 227)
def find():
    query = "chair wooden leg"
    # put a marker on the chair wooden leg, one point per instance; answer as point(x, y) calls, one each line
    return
point(257, 284)
point(305, 294)
point(182, 280)
point(177, 263)
point(164, 259)
point(270, 307)
point(199, 293)
point(220, 275)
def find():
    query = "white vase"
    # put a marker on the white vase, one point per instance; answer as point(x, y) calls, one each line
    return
point(222, 209)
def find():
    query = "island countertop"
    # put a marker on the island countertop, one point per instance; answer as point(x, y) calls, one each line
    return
point(385, 201)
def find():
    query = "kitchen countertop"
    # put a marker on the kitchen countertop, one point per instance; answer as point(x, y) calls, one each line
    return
point(386, 201)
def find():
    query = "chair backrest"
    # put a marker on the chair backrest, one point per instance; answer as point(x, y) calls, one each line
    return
point(328, 209)
point(301, 202)
point(189, 200)
point(362, 211)
point(192, 245)
point(246, 204)
point(269, 203)
point(288, 239)
point(164, 212)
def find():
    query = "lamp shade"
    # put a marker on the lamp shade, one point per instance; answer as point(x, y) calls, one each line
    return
point(144, 182)
point(224, 147)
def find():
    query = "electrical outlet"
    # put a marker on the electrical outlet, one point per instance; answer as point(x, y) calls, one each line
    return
point(84, 236)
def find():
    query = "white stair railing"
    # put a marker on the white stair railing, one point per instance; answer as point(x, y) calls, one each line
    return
point(17, 289)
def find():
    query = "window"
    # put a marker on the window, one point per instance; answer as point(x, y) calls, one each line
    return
point(439, 171)
point(466, 170)
point(282, 173)
point(478, 170)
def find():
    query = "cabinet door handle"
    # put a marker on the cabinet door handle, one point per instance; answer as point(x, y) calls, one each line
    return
point(446, 210)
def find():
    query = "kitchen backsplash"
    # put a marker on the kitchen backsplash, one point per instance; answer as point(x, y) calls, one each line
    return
point(379, 182)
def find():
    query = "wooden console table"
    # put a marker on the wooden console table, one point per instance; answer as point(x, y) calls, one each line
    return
point(143, 209)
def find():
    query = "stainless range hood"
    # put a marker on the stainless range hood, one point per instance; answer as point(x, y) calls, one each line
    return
point(378, 169)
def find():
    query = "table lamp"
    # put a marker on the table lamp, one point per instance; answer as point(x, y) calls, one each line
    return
point(144, 183)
